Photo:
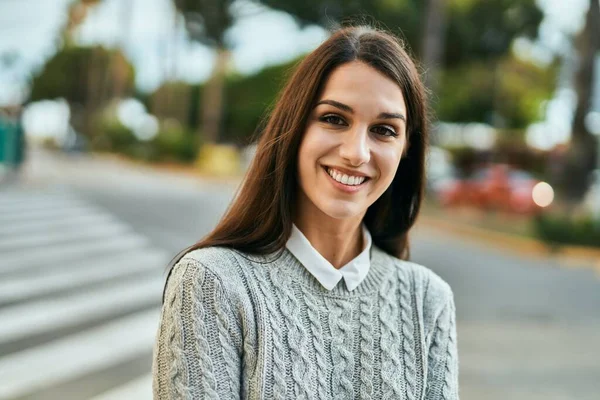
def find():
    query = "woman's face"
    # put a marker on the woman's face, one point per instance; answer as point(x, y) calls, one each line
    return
point(354, 139)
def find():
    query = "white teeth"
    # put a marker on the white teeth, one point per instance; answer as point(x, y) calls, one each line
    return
point(345, 179)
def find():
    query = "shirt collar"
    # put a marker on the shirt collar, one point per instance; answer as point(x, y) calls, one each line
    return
point(354, 272)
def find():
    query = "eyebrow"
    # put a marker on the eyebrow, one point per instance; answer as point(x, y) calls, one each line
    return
point(347, 108)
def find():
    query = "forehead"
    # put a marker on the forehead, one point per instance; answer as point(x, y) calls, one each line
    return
point(364, 88)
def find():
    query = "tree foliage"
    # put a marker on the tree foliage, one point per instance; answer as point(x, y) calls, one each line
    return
point(583, 154)
point(507, 92)
point(483, 30)
point(399, 16)
point(476, 29)
point(77, 73)
point(479, 79)
point(86, 77)
point(206, 20)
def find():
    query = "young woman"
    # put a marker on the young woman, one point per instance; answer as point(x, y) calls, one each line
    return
point(303, 291)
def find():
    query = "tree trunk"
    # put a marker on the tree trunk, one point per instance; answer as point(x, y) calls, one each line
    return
point(120, 67)
point(432, 47)
point(212, 98)
point(581, 157)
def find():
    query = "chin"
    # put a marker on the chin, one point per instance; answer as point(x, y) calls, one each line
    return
point(338, 210)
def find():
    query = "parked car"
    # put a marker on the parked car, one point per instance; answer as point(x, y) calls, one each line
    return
point(497, 187)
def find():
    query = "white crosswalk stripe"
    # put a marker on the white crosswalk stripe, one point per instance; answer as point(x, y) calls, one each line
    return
point(140, 388)
point(44, 315)
point(79, 295)
point(57, 254)
point(62, 235)
point(24, 227)
point(32, 197)
point(76, 355)
point(63, 210)
point(73, 275)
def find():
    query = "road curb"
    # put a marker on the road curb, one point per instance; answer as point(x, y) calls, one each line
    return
point(181, 169)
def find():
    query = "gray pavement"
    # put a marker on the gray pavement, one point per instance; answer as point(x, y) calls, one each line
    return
point(528, 326)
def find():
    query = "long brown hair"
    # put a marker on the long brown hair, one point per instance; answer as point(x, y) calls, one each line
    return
point(259, 219)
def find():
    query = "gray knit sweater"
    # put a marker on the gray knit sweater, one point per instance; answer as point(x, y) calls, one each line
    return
point(255, 327)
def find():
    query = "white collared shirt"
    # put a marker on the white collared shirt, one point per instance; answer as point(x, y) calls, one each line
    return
point(353, 272)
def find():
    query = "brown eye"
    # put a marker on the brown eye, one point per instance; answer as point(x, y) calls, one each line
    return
point(332, 119)
point(385, 131)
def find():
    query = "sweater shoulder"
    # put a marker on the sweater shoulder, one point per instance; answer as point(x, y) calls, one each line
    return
point(211, 256)
point(427, 283)
point(436, 291)
point(431, 291)
point(223, 264)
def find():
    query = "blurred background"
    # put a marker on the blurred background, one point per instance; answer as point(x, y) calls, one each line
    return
point(126, 126)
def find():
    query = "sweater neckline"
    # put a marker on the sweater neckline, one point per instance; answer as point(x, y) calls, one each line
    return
point(292, 268)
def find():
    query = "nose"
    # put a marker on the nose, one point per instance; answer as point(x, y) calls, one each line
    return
point(355, 147)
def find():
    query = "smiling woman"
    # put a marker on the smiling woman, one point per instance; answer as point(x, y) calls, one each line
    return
point(357, 129)
point(257, 308)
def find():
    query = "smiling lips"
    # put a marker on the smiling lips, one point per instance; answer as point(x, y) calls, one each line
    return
point(348, 183)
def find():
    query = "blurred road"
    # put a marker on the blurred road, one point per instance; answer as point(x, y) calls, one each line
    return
point(78, 309)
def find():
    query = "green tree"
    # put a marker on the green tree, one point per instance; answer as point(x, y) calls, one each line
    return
point(206, 22)
point(475, 29)
point(510, 98)
point(582, 153)
point(79, 74)
point(455, 37)
point(400, 16)
point(432, 45)
point(485, 30)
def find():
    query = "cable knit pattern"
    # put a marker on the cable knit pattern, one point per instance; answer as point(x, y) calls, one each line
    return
point(443, 359)
point(408, 342)
point(367, 356)
point(296, 334)
point(450, 387)
point(390, 341)
point(201, 346)
point(230, 353)
point(262, 327)
point(317, 334)
point(279, 370)
point(341, 346)
point(175, 364)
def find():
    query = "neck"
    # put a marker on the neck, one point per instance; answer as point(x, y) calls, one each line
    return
point(337, 240)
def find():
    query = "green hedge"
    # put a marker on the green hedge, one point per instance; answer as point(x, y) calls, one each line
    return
point(173, 142)
point(562, 229)
point(246, 101)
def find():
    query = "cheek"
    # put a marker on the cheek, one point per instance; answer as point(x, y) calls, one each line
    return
point(305, 152)
point(389, 161)
point(307, 158)
point(312, 147)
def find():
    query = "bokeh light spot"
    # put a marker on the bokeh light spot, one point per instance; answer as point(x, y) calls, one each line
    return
point(543, 194)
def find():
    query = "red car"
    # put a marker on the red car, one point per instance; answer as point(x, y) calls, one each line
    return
point(496, 187)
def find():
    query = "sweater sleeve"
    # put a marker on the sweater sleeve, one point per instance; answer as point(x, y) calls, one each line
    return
point(442, 357)
point(197, 353)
